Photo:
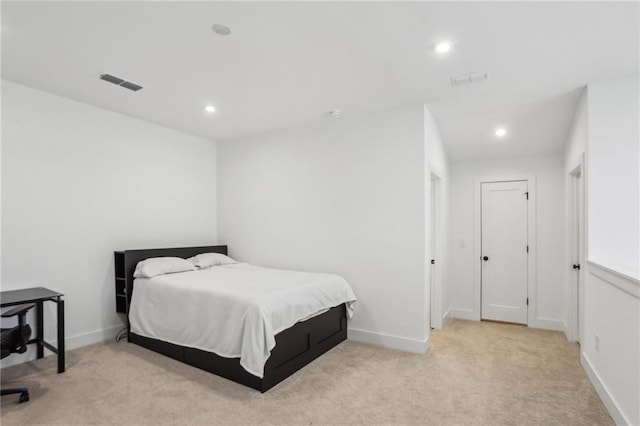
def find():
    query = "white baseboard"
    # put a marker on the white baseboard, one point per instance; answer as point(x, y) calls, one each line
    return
point(446, 317)
point(464, 314)
point(549, 324)
point(615, 412)
point(565, 330)
point(92, 337)
point(72, 342)
point(389, 341)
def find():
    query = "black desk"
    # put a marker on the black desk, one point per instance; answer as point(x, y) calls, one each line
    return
point(39, 295)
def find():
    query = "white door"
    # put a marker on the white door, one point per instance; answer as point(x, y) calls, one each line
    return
point(433, 221)
point(578, 264)
point(504, 251)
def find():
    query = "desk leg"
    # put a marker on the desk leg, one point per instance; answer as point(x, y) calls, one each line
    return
point(61, 366)
point(40, 333)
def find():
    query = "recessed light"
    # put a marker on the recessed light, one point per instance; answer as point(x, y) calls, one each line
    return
point(210, 108)
point(220, 29)
point(501, 132)
point(443, 47)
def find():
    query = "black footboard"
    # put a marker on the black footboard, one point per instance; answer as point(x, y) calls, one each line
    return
point(295, 347)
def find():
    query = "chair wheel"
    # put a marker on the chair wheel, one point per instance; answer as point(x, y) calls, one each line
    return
point(24, 397)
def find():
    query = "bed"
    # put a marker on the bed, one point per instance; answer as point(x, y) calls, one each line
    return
point(296, 345)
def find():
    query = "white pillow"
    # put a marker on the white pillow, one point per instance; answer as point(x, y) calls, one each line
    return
point(207, 260)
point(153, 266)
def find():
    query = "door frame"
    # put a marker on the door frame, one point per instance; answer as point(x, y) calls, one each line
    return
point(531, 236)
point(435, 222)
point(576, 302)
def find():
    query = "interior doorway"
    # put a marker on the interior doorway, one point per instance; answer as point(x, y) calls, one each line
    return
point(504, 251)
point(435, 291)
point(577, 248)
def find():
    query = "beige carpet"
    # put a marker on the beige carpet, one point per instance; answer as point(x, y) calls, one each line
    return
point(474, 373)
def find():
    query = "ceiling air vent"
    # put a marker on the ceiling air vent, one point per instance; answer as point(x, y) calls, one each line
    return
point(474, 77)
point(120, 82)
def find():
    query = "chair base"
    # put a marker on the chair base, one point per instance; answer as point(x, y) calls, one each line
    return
point(24, 393)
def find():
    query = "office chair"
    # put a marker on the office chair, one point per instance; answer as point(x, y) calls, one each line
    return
point(14, 340)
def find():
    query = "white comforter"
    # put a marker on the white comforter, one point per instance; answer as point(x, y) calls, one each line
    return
point(232, 310)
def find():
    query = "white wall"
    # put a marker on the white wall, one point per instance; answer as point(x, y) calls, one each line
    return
point(614, 175)
point(613, 315)
point(577, 141)
point(549, 296)
point(79, 182)
point(437, 163)
point(612, 278)
point(575, 157)
point(343, 196)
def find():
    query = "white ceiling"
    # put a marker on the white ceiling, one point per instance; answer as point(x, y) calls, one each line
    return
point(287, 64)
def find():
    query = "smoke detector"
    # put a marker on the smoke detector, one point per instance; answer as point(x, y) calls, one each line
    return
point(471, 78)
point(335, 113)
point(220, 29)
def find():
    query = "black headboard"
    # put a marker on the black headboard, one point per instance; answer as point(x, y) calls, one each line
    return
point(130, 259)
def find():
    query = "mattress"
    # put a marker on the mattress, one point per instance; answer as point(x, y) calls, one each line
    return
point(234, 311)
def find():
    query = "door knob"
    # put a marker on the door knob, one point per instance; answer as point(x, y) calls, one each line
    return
point(485, 258)
point(577, 266)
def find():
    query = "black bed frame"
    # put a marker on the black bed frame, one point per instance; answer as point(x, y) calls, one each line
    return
point(295, 347)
